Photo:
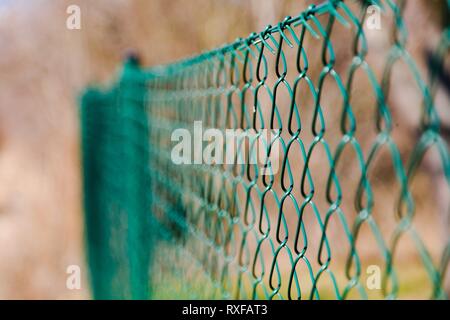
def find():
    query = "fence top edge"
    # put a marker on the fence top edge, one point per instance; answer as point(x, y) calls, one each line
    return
point(328, 6)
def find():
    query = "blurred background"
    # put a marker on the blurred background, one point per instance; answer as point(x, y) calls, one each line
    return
point(43, 69)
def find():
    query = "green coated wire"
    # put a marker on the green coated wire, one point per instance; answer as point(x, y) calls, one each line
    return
point(219, 231)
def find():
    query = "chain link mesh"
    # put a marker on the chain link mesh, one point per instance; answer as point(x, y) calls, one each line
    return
point(352, 193)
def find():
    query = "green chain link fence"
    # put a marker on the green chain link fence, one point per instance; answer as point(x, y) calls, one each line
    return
point(342, 202)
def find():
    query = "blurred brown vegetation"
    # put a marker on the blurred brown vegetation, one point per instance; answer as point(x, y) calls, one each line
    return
point(43, 69)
